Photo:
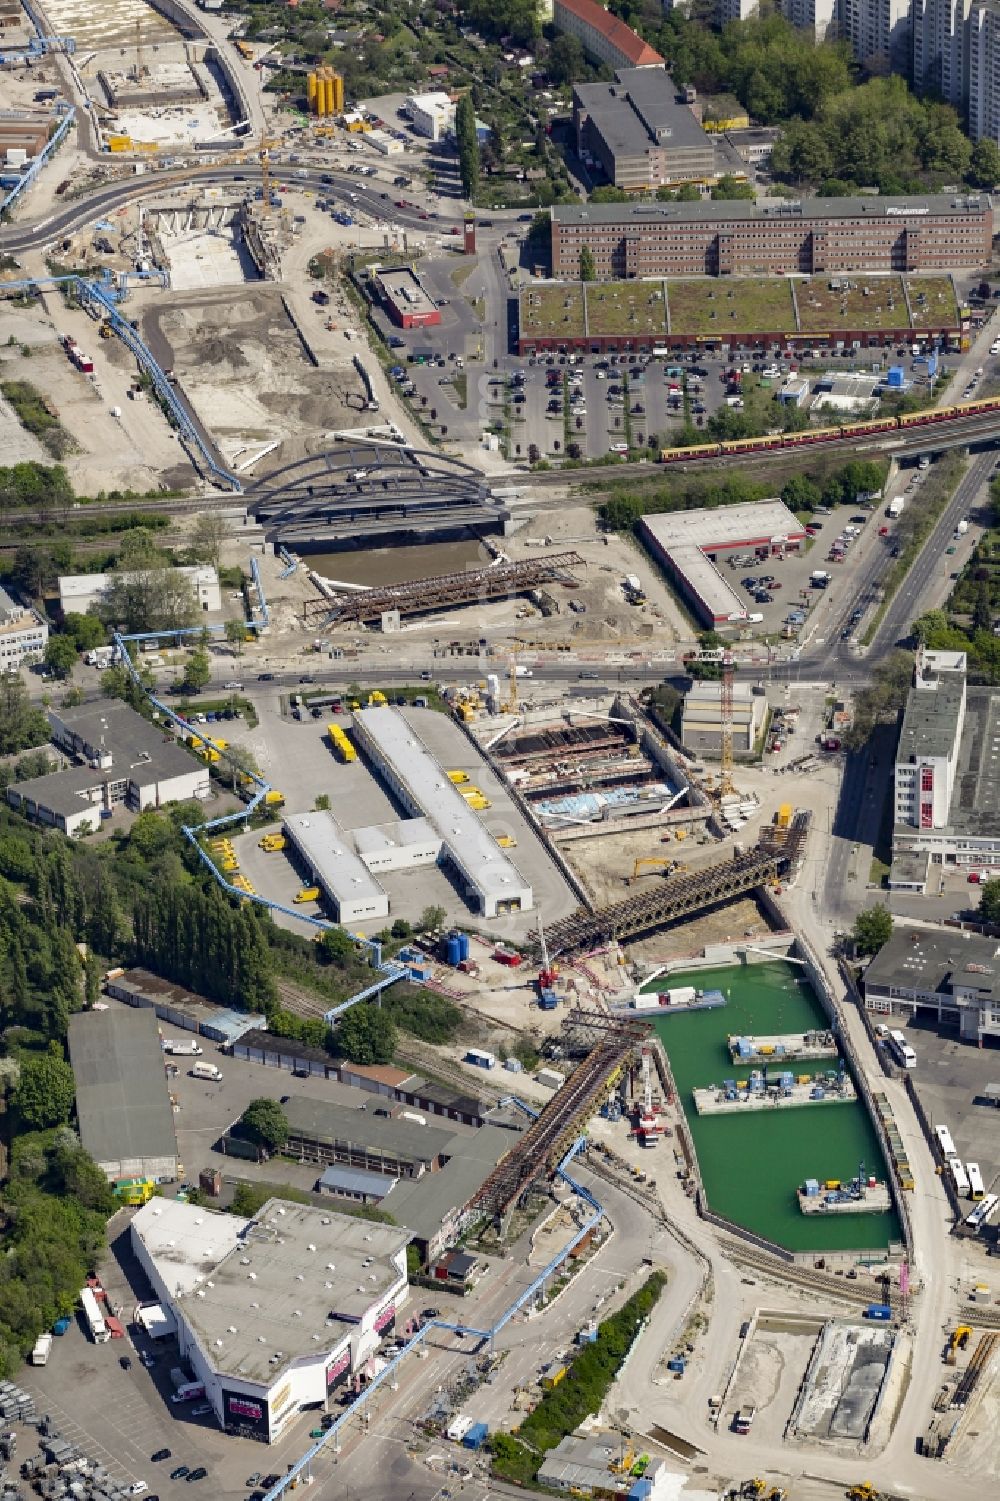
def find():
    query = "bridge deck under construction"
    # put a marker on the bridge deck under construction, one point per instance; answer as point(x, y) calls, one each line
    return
point(547, 1138)
point(420, 595)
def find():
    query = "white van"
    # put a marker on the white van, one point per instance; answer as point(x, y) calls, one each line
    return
point(233, 687)
point(206, 1071)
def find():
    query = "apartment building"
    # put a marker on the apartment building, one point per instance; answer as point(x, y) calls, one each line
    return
point(602, 35)
point(821, 17)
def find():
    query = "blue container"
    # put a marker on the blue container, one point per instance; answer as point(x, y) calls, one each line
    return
point(881, 1313)
point(896, 377)
point(676, 1365)
point(463, 939)
point(476, 1436)
point(61, 1325)
point(453, 950)
point(548, 1000)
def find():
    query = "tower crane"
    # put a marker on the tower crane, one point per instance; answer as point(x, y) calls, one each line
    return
point(266, 142)
point(724, 658)
point(549, 972)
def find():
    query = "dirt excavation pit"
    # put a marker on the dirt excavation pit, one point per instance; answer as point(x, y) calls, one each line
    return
point(243, 366)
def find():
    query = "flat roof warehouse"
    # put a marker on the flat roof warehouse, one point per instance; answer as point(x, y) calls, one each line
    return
point(491, 877)
point(685, 541)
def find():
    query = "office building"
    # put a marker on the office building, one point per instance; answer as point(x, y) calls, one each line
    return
point(640, 132)
point(23, 634)
point(817, 235)
point(274, 1314)
point(604, 37)
point(407, 300)
point(490, 880)
point(122, 762)
point(927, 754)
point(124, 1111)
point(950, 977)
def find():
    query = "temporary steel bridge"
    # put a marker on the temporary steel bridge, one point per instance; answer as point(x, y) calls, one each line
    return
point(417, 597)
point(674, 898)
point(539, 1148)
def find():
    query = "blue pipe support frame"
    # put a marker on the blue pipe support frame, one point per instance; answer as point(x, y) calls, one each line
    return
point(290, 563)
point(304, 1464)
point(24, 183)
point(193, 833)
point(262, 604)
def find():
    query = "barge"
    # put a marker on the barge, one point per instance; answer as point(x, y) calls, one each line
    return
point(670, 1002)
point(783, 1090)
point(784, 1047)
point(862, 1194)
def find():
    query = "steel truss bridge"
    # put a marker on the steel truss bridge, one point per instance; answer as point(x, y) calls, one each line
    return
point(497, 581)
point(360, 490)
point(538, 1150)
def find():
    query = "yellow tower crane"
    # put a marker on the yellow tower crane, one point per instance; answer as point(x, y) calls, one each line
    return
point(266, 142)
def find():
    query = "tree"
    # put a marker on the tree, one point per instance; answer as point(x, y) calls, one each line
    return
point(989, 901)
point(264, 1122)
point(873, 929)
point(729, 187)
point(22, 726)
point(236, 635)
point(197, 670)
point(207, 538)
point(401, 928)
point(566, 61)
point(144, 592)
point(337, 946)
point(45, 1091)
point(60, 655)
point(984, 168)
point(365, 1034)
point(322, 802)
point(588, 270)
point(468, 146)
point(431, 918)
point(85, 631)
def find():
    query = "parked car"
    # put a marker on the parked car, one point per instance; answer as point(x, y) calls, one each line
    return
point(160, 1454)
point(198, 1474)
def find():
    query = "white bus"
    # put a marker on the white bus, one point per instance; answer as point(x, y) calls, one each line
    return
point(977, 1189)
point(99, 1331)
point(958, 1175)
point(902, 1049)
point(983, 1212)
point(945, 1144)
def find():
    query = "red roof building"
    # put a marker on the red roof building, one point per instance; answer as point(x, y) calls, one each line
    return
point(603, 36)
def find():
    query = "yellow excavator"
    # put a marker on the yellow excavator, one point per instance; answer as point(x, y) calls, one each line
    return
point(864, 1491)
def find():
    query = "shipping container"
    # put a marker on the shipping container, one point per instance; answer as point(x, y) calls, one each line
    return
point(480, 1059)
point(880, 1313)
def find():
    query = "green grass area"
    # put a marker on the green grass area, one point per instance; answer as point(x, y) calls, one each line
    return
point(714, 307)
point(36, 416)
point(933, 301)
point(626, 307)
point(552, 311)
point(462, 273)
point(861, 302)
point(460, 381)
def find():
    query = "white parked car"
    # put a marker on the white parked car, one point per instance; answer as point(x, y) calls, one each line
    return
point(137, 1488)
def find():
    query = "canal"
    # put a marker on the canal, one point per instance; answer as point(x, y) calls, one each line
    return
point(752, 1163)
point(378, 566)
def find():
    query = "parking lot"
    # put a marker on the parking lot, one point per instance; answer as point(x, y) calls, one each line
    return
point(950, 1078)
point(296, 757)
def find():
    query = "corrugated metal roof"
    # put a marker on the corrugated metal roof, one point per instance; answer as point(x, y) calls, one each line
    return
point(356, 1181)
point(121, 1088)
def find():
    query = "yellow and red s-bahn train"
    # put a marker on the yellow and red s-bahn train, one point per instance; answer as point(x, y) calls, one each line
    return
point(811, 436)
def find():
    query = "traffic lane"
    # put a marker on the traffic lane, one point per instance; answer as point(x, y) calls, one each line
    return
point(908, 602)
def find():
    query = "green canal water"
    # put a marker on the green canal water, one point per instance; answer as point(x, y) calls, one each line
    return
point(751, 1163)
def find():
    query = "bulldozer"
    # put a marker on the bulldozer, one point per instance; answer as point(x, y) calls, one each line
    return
point(864, 1491)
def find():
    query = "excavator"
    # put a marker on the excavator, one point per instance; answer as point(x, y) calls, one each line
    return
point(864, 1491)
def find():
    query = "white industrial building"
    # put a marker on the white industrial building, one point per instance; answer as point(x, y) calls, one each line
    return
point(492, 882)
point(121, 761)
point(701, 723)
point(23, 634)
point(399, 846)
point(78, 592)
point(692, 543)
point(433, 114)
point(328, 854)
point(275, 1314)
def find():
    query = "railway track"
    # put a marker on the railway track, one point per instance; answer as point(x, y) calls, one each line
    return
point(302, 1002)
point(859, 1291)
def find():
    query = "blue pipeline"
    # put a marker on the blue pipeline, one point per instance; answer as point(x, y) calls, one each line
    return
point(305, 1463)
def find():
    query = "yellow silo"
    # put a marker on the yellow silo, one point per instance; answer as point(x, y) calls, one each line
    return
point(311, 90)
point(338, 94)
point(329, 95)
